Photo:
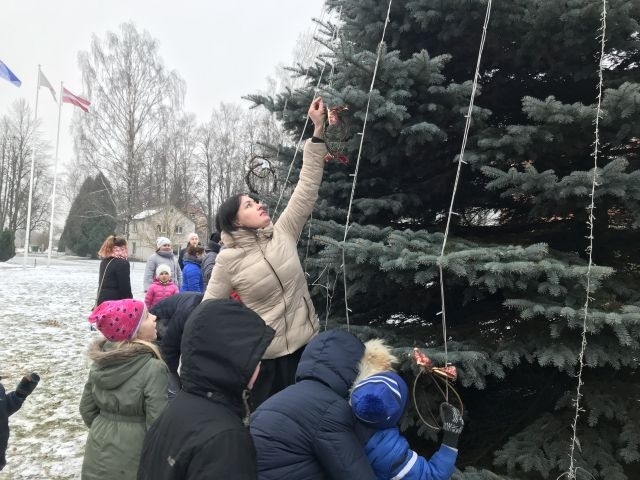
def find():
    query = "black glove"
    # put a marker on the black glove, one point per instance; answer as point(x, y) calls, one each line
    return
point(452, 424)
point(27, 385)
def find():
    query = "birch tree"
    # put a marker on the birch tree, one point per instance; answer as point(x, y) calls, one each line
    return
point(222, 151)
point(132, 95)
point(18, 140)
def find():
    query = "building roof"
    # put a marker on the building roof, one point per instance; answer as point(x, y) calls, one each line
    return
point(146, 213)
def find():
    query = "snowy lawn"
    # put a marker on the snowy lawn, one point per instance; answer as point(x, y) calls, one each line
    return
point(44, 329)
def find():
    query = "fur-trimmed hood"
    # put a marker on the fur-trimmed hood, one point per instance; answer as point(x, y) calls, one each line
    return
point(377, 358)
point(116, 362)
point(104, 352)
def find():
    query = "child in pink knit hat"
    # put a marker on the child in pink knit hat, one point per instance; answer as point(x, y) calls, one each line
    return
point(126, 390)
point(119, 320)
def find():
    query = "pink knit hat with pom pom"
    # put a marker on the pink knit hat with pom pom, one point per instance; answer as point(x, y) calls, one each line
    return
point(118, 320)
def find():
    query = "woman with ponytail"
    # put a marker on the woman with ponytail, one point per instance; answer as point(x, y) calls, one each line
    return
point(114, 279)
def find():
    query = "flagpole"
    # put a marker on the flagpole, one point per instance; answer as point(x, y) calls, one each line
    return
point(55, 175)
point(33, 164)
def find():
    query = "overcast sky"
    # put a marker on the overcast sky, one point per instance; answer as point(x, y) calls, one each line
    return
point(222, 49)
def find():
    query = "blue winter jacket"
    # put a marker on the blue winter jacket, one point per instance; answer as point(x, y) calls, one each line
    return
point(391, 457)
point(307, 431)
point(191, 277)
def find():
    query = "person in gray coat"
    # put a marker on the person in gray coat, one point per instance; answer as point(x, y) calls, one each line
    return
point(164, 255)
point(210, 254)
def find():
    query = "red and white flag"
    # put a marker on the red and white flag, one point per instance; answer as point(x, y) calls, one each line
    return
point(68, 97)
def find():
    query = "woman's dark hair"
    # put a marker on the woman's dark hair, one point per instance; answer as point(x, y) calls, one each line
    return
point(215, 237)
point(228, 211)
point(195, 250)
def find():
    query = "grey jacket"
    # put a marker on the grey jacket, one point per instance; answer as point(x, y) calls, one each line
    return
point(158, 259)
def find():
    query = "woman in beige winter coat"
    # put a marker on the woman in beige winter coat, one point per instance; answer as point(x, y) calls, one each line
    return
point(260, 262)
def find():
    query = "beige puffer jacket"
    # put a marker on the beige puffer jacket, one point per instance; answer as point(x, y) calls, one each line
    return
point(263, 266)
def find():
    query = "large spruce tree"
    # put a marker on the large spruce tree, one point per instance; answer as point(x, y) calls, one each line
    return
point(515, 266)
point(91, 218)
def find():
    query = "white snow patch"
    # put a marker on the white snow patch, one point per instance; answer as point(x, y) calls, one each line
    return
point(43, 320)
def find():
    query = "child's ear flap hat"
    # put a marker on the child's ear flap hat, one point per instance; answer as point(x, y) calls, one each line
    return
point(380, 400)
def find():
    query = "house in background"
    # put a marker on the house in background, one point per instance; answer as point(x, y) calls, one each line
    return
point(146, 226)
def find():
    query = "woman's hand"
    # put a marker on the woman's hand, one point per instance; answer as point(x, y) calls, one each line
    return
point(317, 115)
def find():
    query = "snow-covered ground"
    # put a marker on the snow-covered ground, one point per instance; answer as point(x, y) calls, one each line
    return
point(44, 329)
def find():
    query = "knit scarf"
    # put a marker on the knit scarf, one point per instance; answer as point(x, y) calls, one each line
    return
point(120, 252)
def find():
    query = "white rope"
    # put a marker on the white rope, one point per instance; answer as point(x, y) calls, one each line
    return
point(457, 180)
point(329, 291)
point(306, 123)
point(355, 174)
point(304, 55)
point(571, 473)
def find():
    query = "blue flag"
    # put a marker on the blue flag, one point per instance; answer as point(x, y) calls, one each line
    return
point(9, 75)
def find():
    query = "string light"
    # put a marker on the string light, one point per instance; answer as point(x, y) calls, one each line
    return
point(573, 469)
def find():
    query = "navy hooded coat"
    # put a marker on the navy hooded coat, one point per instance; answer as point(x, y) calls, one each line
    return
point(307, 431)
point(172, 313)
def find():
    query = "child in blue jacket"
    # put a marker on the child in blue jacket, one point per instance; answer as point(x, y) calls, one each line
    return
point(192, 271)
point(378, 400)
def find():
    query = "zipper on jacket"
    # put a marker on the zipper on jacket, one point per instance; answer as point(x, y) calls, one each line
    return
point(284, 298)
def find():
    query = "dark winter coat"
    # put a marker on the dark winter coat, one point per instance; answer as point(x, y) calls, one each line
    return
point(201, 435)
point(125, 393)
point(10, 403)
point(117, 280)
point(209, 260)
point(307, 431)
point(192, 275)
point(172, 313)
